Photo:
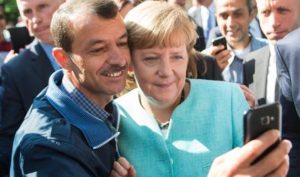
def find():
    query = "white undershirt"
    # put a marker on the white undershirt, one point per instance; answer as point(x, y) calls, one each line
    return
point(272, 75)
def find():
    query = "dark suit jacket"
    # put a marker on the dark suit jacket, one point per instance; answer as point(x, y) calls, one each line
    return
point(207, 68)
point(288, 64)
point(200, 42)
point(256, 72)
point(22, 79)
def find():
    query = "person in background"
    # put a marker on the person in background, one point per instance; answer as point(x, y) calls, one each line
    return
point(174, 126)
point(278, 18)
point(25, 75)
point(73, 123)
point(234, 17)
point(5, 46)
point(203, 13)
point(288, 76)
point(254, 28)
point(200, 42)
point(124, 6)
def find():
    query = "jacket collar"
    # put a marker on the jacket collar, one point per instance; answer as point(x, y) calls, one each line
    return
point(96, 132)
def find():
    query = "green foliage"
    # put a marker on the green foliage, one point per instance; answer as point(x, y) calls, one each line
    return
point(11, 10)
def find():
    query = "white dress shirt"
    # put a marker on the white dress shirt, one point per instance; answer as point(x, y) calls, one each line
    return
point(272, 76)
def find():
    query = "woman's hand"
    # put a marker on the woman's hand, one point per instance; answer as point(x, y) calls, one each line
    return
point(237, 162)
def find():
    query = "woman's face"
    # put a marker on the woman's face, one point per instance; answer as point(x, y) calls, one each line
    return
point(161, 73)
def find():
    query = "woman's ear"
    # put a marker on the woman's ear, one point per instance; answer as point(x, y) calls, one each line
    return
point(60, 57)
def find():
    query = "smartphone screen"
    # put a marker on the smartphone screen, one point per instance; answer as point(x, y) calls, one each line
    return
point(259, 120)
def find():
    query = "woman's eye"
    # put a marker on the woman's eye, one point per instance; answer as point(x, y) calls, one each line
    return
point(178, 57)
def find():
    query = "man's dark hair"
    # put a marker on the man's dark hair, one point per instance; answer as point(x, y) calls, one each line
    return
point(61, 25)
point(249, 4)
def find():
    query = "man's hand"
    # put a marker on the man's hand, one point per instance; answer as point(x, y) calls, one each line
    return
point(249, 95)
point(237, 162)
point(222, 56)
point(122, 168)
point(11, 54)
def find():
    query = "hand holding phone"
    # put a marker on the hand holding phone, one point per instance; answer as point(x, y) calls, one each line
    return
point(259, 120)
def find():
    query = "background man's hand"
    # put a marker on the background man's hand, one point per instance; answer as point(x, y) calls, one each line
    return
point(222, 56)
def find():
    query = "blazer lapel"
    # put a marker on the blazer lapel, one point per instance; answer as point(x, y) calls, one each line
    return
point(40, 62)
point(256, 71)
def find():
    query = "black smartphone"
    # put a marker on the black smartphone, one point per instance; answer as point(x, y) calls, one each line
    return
point(259, 120)
point(220, 41)
point(19, 37)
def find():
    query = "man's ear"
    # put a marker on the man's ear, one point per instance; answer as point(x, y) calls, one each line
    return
point(60, 57)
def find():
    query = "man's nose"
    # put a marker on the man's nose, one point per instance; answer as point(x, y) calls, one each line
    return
point(117, 56)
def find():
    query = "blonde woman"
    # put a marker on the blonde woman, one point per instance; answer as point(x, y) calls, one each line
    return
point(174, 126)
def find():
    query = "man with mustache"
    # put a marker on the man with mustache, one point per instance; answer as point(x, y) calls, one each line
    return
point(73, 123)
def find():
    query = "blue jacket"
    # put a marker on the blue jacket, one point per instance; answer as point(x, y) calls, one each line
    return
point(57, 138)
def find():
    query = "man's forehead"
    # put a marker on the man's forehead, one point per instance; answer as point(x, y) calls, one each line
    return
point(233, 3)
point(268, 3)
point(80, 21)
point(103, 39)
point(230, 5)
point(275, 3)
point(93, 23)
point(37, 2)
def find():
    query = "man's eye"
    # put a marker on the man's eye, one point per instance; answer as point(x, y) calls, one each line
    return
point(265, 12)
point(123, 44)
point(224, 16)
point(282, 11)
point(150, 58)
point(238, 14)
point(27, 12)
point(43, 6)
point(97, 50)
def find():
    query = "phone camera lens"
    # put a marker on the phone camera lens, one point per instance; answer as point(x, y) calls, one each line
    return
point(265, 120)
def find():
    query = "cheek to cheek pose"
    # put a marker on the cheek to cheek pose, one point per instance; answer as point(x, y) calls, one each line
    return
point(174, 126)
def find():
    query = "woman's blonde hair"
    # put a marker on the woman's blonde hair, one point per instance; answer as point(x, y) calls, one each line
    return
point(157, 23)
